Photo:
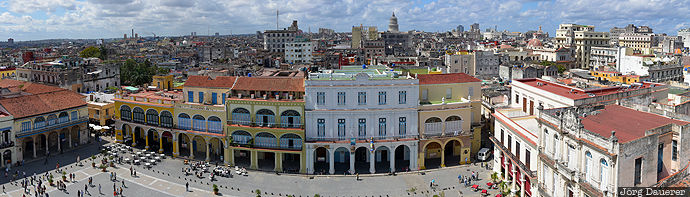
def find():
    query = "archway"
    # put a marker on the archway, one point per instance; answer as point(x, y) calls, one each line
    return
point(7, 157)
point(402, 158)
point(362, 160)
point(184, 144)
point(126, 134)
point(291, 162)
point(53, 142)
point(216, 148)
point(242, 158)
point(452, 152)
point(266, 160)
point(139, 139)
point(199, 147)
point(28, 144)
point(153, 137)
point(167, 142)
point(321, 159)
point(432, 155)
point(75, 135)
point(342, 160)
point(382, 159)
point(63, 137)
point(41, 145)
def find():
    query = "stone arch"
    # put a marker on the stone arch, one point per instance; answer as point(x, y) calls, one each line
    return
point(290, 119)
point(321, 160)
point(199, 146)
point(402, 157)
point(215, 148)
point(432, 154)
point(382, 159)
point(63, 117)
point(39, 122)
point(184, 143)
point(452, 150)
point(265, 117)
point(52, 119)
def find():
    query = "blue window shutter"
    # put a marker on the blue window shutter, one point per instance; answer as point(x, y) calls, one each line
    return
point(223, 99)
point(201, 97)
point(214, 98)
point(190, 96)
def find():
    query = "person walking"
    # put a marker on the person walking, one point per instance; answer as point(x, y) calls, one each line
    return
point(99, 189)
point(123, 183)
point(86, 189)
point(187, 186)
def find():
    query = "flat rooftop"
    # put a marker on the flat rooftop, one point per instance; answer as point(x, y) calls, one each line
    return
point(575, 93)
point(629, 124)
point(524, 124)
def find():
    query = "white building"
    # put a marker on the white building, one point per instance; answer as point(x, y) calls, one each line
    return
point(299, 51)
point(685, 33)
point(275, 40)
point(580, 38)
point(361, 123)
point(603, 56)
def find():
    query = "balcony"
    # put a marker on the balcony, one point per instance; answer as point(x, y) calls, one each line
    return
point(341, 138)
point(433, 129)
point(267, 142)
point(62, 123)
point(267, 124)
point(453, 127)
point(6, 145)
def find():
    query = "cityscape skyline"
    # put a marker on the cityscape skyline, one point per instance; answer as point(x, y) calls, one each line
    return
point(42, 19)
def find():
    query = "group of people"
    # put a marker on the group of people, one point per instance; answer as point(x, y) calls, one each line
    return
point(467, 180)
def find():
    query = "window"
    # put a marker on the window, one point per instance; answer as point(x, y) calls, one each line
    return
point(517, 150)
point(184, 122)
point(341, 128)
point(152, 117)
point(382, 98)
point(201, 97)
point(527, 158)
point(402, 126)
point(660, 159)
point(382, 126)
point(470, 91)
point(214, 98)
point(362, 98)
point(638, 171)
point(402, 97)
point(166, 119)
point(190, 96)
point(503, 138)
point(510, 143)
point(320, 98)
point(26, 126)
point(214, 124)
point(321, 127)
point(425, 94)
point(674, 150)
point(198, 123)
point(75, 115)
point(517, 98)
point(604, 172)
point(362, 127)
point(223, 98)
point(341, 98)
point(588, 165)
point(449, 93)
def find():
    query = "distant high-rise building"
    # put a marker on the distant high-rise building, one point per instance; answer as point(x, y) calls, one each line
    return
point(474, 27)
point(685, 33)
point(460, 28)
point(362, 33)
point(580, 38)
point(393, 24)
point(217, 34)
point(10, 41)
point(125, 37)
point(136, 36)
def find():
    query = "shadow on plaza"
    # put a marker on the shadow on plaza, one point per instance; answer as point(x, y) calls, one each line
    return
point(43, 164)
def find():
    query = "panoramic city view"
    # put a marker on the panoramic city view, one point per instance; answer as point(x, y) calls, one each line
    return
point(348, 98)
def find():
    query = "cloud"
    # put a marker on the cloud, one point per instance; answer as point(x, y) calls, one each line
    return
point(40, 19)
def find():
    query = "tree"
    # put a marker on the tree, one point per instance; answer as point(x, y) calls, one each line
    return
point(90, 52)
point(134, 73)
point(494, 176)
point(104, 53)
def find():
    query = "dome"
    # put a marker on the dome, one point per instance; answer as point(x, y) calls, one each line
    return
point(534, 43)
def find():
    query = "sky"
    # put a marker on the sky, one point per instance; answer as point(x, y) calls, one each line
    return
point(53, 19)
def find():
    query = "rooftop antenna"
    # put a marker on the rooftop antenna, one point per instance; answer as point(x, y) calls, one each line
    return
point(277, 12)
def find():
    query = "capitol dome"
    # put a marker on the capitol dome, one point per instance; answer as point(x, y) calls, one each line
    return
point(534, 43)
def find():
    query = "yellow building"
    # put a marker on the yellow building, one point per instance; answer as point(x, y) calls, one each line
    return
point(163, 82)
point(145, 120)
point(614, 76)
point(8, 73)
point(449, 119)
point(201, 118)
point(101, 108)
point(46, 119)
point(266, 123)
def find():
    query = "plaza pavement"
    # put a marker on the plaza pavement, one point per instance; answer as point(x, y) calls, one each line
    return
point(167, 179)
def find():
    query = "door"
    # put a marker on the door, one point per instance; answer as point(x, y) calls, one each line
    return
point(531, 107)
point(524, 105)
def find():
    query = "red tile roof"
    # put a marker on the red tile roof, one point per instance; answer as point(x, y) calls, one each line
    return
point(287, 84)
point(205, 81)
point(445, 78)
point(38, 99)
point(629, 124)
point(577, 93)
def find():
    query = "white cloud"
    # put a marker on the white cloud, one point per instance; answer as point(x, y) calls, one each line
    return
point(39, 19)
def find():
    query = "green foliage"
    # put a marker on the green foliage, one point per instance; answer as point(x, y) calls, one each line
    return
point(258, 193)
point(104, 53)
point(90, 52)
point(494, 176)
point(317, 195)
point(134, 74)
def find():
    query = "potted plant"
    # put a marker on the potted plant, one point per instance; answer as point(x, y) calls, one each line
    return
point(258, 193)
point(103, 167)
point(93, 164)
point(112, 164)
point(494, 176)
point(215, 189)
point(50, 180)
point(64, 177)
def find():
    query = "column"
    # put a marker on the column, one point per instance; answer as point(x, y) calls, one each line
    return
point(352, 163)
point(443, 156)
point(497, 160)
point(505, 175)
point(513, 185)
point(208, 152)
point(134, 138)
point(522, 186)
point(226, 154)
point(160, 143)
point(146, 138)
point(307, 153)
point(47, 145)
point(191, 148)
point(278, 167)
point(59, 142)
point(413, 159)
point(331, 162)
point(254, 158)
point(34, 145)
point(372, 162)
point(302, 161)
point(70, 139)
point(392, 160)
point(176, 146)
point(419, 156)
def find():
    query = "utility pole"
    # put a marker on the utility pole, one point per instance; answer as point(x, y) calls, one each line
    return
point(277, 12)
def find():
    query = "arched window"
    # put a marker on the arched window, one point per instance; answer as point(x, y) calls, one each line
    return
point(184, 122)
point(39, 122)
point(588, 165)
point(152, 117)
point(290, 119)
point(63, 117)
point(241, 116)
point(603, 173)
point(265, 118)
point(52, 119)
point(199, 123)
point(433, 126)
point(138, 115)
point(214, 125)
point(125, 113)
point(554, 145)
point(290, 141)
point(241, 137)
point(453, 124)
point(166, 119)
point(265, 140)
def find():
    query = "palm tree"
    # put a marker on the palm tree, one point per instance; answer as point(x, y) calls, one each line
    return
point(494, 176)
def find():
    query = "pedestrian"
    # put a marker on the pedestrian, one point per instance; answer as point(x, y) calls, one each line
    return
point(123, 183)
point(187, 186)
point(3, 189)
point(86, 189)
point(99, 189)
point(357, 176)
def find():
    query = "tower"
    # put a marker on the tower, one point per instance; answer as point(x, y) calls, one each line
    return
point(393, 24)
